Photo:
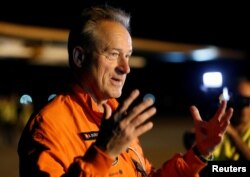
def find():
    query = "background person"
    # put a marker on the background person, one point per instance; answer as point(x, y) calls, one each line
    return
point(236, 143)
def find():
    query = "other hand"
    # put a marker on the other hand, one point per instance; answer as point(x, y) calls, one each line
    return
point(210, 133)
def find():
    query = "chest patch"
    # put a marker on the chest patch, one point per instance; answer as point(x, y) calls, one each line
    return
point(89, 135)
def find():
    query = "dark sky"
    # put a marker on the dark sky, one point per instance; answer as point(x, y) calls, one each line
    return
point(208, 22)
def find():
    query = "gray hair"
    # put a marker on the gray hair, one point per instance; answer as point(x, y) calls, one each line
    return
point(82, 32)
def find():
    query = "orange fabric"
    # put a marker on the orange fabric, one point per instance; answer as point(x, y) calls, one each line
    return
point(53, 144)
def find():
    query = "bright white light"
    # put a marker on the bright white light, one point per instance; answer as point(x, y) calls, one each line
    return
point(212, 79)
point(205, 54)
point(225, 95)
point(25, 99)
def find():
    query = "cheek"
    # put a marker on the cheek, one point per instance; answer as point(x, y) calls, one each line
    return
point(103, 73)
point(246, 112)
point(103, 70)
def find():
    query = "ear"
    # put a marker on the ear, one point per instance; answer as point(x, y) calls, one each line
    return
point(78, 56)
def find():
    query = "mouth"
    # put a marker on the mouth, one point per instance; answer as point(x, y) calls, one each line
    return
point(117, 82)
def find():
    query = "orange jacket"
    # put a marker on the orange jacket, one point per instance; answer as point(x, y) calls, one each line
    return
point(58, 141)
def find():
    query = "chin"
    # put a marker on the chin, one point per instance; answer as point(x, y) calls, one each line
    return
point(116, 94)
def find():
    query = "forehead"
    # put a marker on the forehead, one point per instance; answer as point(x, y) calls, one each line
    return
point(113, 34)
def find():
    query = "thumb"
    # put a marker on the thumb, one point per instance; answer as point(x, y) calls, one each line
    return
point(195, 114)
point(107, 111)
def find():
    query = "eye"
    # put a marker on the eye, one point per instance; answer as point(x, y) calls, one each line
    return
point(114, 54)
point(128, 56)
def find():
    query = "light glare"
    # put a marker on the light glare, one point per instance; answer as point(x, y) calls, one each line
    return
point(205, 54)
point(25, 99)
point(212, 79)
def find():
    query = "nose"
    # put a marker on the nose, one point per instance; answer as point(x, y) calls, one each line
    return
point(123, 66)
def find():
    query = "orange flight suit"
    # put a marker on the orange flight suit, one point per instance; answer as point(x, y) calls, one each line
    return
point(58, 142)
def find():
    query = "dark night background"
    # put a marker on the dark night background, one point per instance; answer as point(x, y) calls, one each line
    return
point(175, 85)
point(222, 24)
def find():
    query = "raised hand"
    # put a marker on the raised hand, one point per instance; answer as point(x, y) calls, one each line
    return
point(119, 129)
point(209, 134)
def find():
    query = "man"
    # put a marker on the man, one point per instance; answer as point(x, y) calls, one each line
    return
point(236, 144)
point(84, 132)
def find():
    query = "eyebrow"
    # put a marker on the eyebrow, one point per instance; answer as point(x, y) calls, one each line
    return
point(120, 50)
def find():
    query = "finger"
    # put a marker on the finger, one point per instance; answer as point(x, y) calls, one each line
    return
point(127, 102)
point(122, 109)
point(195, 114)
point(225, 121)
point(107, 111)
point(139, 109)
point(221, 111)
point(139, 120)
point(134, 94)
point(143, 129)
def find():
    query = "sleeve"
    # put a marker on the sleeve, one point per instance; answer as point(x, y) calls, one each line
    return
point(188, 165)
point(40, 155)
